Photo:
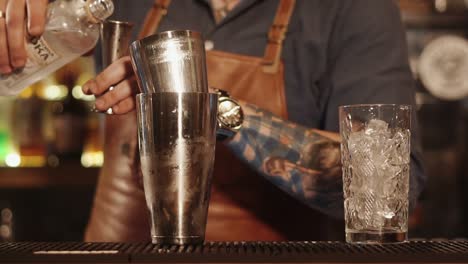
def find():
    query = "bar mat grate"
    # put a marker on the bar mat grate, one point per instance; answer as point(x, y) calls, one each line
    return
point(235, 252)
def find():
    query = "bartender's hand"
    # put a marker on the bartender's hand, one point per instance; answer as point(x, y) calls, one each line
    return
point(15, 28)
point(120, 76)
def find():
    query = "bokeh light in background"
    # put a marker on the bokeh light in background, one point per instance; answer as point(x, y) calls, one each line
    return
point(13, 160)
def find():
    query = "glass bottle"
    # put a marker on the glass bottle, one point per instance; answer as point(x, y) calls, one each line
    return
point(68, 119)
point(27, 116)
point(72, 29)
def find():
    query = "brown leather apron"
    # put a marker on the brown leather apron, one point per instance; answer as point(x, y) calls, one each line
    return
point(243, 205)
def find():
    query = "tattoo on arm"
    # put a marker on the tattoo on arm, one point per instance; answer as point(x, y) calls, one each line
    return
point(299, 160)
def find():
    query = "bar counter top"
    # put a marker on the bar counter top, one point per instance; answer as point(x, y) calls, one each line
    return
point(449, 251)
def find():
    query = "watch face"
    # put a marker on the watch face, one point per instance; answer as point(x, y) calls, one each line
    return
point(230, 114)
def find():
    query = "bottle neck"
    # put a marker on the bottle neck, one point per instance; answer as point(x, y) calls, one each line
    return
point(99, 10)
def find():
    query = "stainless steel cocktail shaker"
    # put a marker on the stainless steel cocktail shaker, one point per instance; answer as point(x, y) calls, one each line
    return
point(177, 133)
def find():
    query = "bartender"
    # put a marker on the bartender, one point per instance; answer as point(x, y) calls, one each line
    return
point(288, 65)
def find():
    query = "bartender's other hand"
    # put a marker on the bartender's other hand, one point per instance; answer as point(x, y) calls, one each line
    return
point(120, 76)
point(14, 32)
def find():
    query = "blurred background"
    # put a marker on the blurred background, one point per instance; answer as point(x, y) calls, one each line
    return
point(51, 145)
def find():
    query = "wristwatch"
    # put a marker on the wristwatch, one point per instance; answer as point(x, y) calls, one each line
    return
point(230, 116)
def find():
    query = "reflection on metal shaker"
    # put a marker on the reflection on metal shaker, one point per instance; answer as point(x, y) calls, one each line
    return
point(171, 61)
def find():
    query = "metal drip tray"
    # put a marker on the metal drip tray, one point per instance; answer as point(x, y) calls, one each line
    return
point(236, 252)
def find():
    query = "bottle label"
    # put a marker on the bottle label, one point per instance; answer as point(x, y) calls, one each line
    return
point(40, 54)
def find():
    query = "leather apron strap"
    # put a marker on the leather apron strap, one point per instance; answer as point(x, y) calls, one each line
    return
point(276, 36)
point(154, 17)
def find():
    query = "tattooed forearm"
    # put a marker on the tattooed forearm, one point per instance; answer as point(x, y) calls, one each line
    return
point(303, 162)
